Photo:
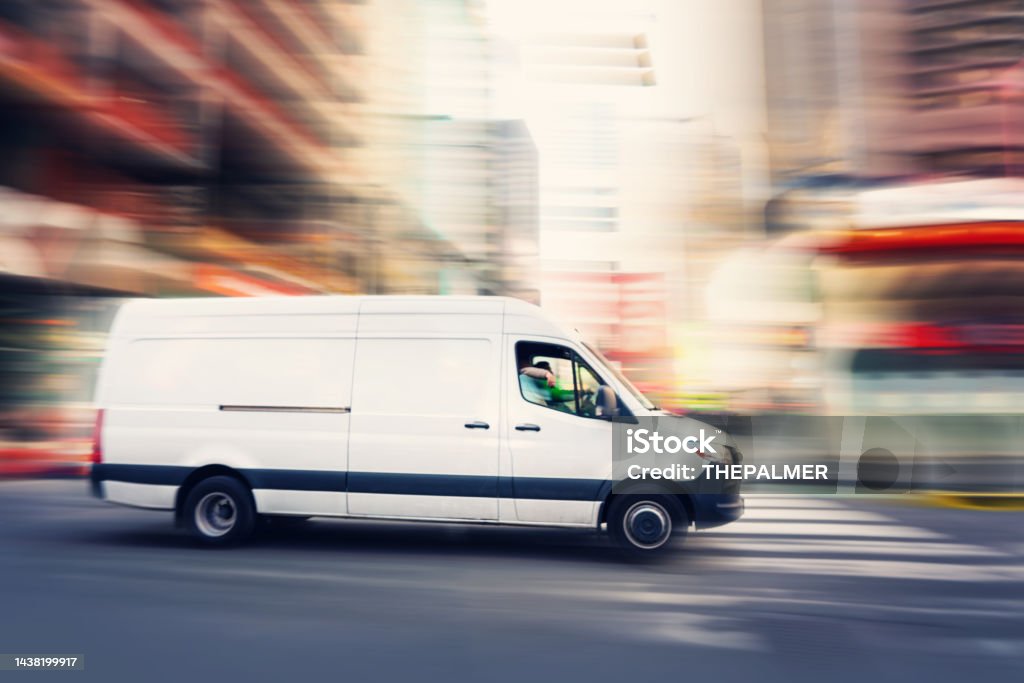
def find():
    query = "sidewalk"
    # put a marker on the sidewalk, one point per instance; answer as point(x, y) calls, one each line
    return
point(1006, 502)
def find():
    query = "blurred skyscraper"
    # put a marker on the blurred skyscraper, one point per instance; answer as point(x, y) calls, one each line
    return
point(966, 84)
point(470, 177)
point(648, 170)
point(891, 88)
point(168, 147)
point(184, 146)
point(242, 147)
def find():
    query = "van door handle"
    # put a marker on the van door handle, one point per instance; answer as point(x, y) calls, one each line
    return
point(479, 424)
point(527, 428)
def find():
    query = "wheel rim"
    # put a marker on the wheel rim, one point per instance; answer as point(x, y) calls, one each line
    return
point(216, 514)
point(647, 525)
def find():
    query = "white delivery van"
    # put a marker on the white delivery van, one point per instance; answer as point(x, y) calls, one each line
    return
point(455, 409)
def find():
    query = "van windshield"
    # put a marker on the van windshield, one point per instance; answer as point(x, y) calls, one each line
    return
point(644, 401)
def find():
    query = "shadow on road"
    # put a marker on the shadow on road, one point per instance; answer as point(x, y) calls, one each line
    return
point(384, 538)
point(63, 514)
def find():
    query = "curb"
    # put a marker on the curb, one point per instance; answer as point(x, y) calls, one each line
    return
point(994, 502)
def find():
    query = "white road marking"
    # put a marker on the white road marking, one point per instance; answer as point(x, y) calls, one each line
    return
point(781, 535)
point(848, 546)
point(761, 500)
point(757, 514)
point(894, 569)
point(832, 530)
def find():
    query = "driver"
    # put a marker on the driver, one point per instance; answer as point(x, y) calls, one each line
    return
point(540, 385)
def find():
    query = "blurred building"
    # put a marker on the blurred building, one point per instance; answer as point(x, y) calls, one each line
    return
point(167, 147)
point(890, 274)
point(469, 177)
point(514, 201)
point(644, 179)
point(228, 147)
point(239, 148)
point(609, 260)
point(476, 187)
point(214, 136)
point(966, 81)
point(892, 88)
point(185, 147)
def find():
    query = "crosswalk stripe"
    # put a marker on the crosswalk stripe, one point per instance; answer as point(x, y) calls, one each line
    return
point(845, 546)
point(759, 500)
point(792, 535)
point(759, 514)
point(938, 571)
point(830, 529)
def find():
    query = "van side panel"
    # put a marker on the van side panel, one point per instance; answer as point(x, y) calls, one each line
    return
point(425, 416)
point(271, 404)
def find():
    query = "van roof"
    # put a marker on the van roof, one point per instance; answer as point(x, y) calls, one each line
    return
point(330, 304)
point(528, 315)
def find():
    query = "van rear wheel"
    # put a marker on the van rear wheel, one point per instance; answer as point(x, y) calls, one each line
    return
point(647, 526)
point(219, 511)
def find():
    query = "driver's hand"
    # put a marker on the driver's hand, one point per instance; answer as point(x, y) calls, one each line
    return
point(551, 379)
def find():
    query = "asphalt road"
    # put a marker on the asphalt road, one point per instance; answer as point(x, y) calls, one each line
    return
point(801, 589)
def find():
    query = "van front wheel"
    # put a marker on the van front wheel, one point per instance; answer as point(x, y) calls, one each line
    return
point(219, 512)
point(646, 526)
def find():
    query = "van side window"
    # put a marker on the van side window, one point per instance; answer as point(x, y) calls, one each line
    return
point(556, 377)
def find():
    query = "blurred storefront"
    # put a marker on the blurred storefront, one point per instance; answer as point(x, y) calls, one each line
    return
point(897, 299)
point(891, 88)
point(189, 148)
point(893, 232)
point(179, 117)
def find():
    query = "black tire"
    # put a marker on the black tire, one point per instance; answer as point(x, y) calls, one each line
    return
point(647, 526)
point(219, 511)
